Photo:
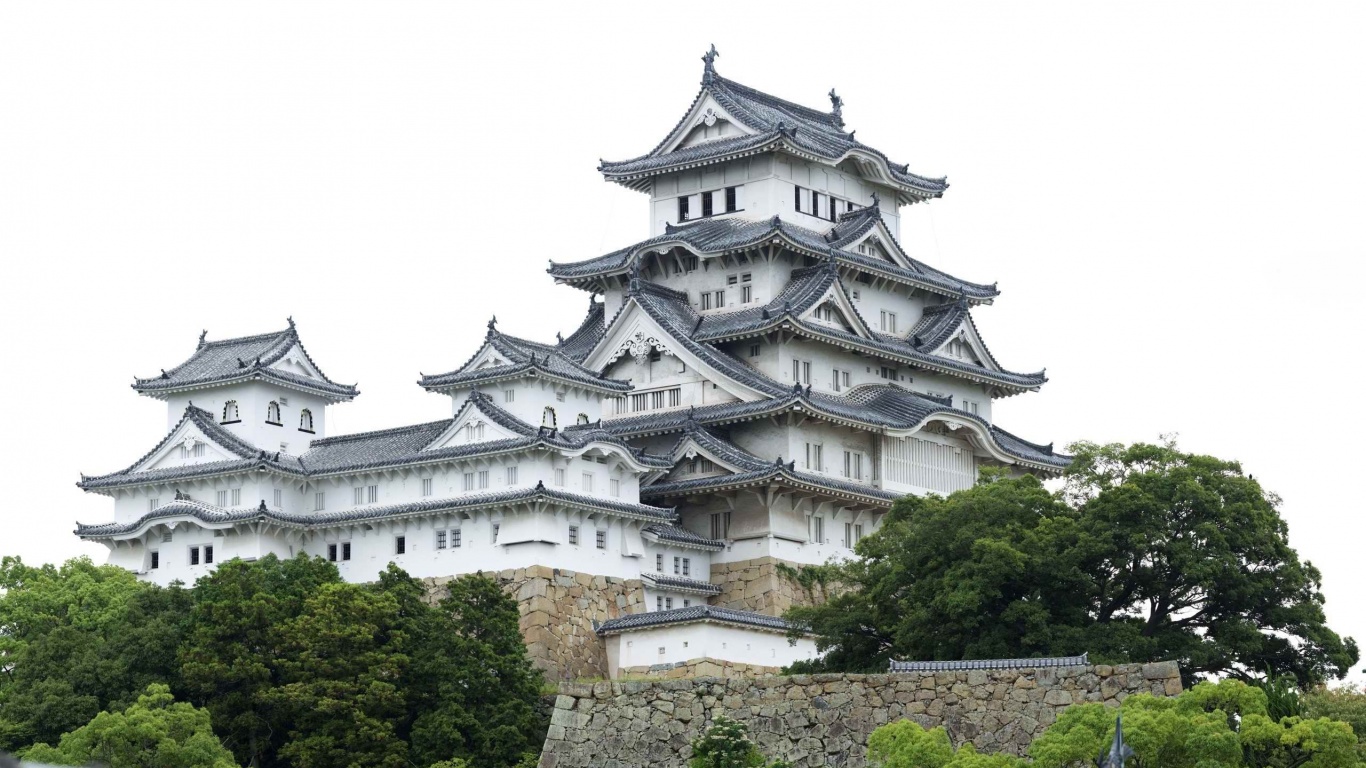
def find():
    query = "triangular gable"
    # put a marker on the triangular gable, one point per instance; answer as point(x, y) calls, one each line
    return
point(295, 361)
point(186, 445)
point(836, 308)
point(472, 425)
point(487, 357)
point(965, 345)
point(706, 121)
point(878, 243)
point(634, 334)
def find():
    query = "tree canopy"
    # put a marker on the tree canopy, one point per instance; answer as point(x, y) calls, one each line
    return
point(1147, 553)
point(290, 666)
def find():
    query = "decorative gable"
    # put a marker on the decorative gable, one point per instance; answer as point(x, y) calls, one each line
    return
point(187, 446)
point(471, 425)
point(706, 121)
point(296, 362)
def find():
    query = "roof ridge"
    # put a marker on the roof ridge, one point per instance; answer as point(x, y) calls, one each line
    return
point(811, 113)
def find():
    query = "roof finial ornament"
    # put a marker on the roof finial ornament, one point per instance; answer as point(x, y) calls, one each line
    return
point(836, 108)
point(262, 508)
point(876, 199)
point(493, 325)
point(559, 337)
point(164, 374)
point(202, 334)
point(709, 66)
point(290, 320)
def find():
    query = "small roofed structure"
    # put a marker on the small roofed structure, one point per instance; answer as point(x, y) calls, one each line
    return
point(1045, 662)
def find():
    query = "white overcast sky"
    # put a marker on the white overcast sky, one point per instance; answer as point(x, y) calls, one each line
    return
point(1170, 194)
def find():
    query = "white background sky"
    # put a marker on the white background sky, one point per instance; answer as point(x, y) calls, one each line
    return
point(1170, 195)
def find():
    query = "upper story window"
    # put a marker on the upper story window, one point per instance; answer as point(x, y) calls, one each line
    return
point(711, 203)
point(230, 413)
point(888, 322)
point(820, 204)
point(306, 421)
point(273, 413)
point(474, 432)
point(648, 401)
point(548, 419)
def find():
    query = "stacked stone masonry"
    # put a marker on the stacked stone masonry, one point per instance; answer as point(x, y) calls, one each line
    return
point(818, 720)
point(759, 585)
point(558, 609)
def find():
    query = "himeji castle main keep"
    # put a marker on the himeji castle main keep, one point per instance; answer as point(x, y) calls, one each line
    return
point(753, 385)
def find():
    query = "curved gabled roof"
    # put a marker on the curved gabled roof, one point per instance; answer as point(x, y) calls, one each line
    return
point(879, 407)
point(755, 471)
point(242, 359)
point(212, 515)
point(527, 358)
point(776, 125)
point(246, 456)
point(716, 236)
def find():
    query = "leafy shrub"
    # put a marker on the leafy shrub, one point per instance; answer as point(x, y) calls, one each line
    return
point(726, 744)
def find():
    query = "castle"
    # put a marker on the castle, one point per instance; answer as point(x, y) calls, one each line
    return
point(752, 385)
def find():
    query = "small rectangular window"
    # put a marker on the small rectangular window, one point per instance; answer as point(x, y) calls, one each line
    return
point(509, 395)
point(720, 299)
point(359, 495)
point(818, 530)
point(426, 486)
point(483, 478)
point(659, 563)
point(817, 202)
point(573, 534)
point(797, 199)
point(659, 606)
point(440, 539)
point(279, 498)
point(686, 603)
point(372, 493)
point(678, 565)
point(237, 497)
point(668, 603)
point(814, 456)
point(601, 539)
point(687, 566)
point(152, 504)
point(455, 538)
point(319, 501)
point(614, 487)
point(732, 279)
point(705, 300)
point(496, 526)
point(512, 475)
point(222, 498)
point(469, 481)
point(346, 550)
point(559, 477)
point(208, 554)
point(730, 199)
point(753, 350)
point(400, 545)
point(849, 535)
point(194, 555)
point(806, 373)
point(746, 294)
point(683, 208)
point(706, 204)
point(332, 552)
point(156, 560)
point(888, 322)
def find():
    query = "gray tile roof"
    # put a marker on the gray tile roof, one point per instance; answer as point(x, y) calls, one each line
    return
point(527, 358)
point(970, 664)
point(395, 447)
point(778, 125)
point(247, 457)
point(680, 583)
point(878, 406)
point(676, 534)
point(241, 359)
point(211, 514)
point(693, 613)
point(756, 471)
point(581, 342)
point(722, 235)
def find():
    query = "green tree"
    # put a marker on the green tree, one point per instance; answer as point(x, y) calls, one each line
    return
point(340, 662)
point(905, 744)
point(229, 657)
point(1346, 703)
point(1147, 554)
point(156, 732)
point(77, 640)
point(475, 691)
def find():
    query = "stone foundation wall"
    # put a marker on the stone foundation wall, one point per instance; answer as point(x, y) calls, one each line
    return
point(558, 608)
point(702, 667)
point(758, 585)
point(817, 720)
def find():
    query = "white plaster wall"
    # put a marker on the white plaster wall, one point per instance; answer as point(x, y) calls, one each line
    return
point(682, 642)
point(252, 400)
point(530, 398)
